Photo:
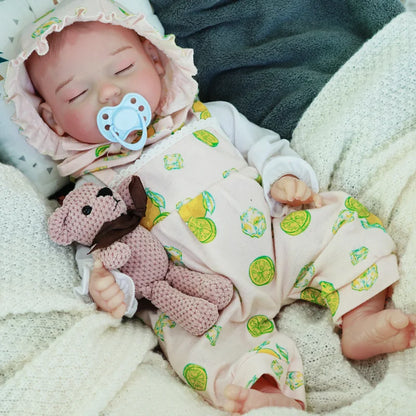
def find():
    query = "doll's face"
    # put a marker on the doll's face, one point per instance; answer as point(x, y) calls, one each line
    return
point(93, 67)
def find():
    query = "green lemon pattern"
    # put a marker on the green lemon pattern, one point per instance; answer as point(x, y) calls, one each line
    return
point(366, 280)
point(259, 325)
point(355, 209)
point(45, 26)
point(277, 368)
point(200, 108)
point(173, 161)
point(330, 296)
point(194, 211)
point(212, 334)
point(253, 223)
point(196, 376)
point(261, 270)
point(296, 222)
point(327, 296)
point(161, 323)
point(228, 172)
point(154, 209)
point(313, 295)
point(175, 255)
point(251, 382)
point(206, 137)
point(305, 276)
point(358, 255)
point(100, 150)
point(294, 380)
point(344, 217)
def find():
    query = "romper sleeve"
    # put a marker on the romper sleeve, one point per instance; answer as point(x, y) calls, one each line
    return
point(265, 150)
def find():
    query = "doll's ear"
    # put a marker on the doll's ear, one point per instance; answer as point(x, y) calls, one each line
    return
point(58, 230)
point(48, 117)
point(154, 55)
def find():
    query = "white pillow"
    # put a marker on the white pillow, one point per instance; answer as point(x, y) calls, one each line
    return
point(14, 15)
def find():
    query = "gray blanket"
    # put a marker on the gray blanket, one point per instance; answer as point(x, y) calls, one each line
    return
point(270, 58)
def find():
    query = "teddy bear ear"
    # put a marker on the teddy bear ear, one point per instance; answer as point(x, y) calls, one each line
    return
point(59, 231)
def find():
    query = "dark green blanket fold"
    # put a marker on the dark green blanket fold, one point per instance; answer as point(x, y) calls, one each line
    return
point(270, 58)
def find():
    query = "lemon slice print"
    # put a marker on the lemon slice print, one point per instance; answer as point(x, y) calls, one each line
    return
point(259, 325)
point(330, 296)
point(199, 107)
point(365, 280)
point(154, 204)
point(282, 352)
point(100, 150)
point(305, 275)
point(204, 229)
point(212, 334)
point(294, 379)
point(173, 161)
point(160, 324)
point(196, 376)
point(344, 217)
point(312, 295)
point(354, 205)
point(196, 207)
point(358, 255)
point(277, 368)
point(261, 270)
point(253, 222)
point(206, 137)
point(175, 255)
point(296, 222)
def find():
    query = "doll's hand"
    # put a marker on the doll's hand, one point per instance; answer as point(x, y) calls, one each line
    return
point(105, 291)
point(294, 192)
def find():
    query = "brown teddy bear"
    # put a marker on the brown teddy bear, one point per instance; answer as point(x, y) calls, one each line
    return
point(99, 217)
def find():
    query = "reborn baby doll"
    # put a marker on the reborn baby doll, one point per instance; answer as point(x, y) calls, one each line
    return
point(96, 216)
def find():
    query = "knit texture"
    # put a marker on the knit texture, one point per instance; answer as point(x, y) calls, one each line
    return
point(58, 356)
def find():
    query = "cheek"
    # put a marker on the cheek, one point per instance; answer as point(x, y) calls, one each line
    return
point(82, 125)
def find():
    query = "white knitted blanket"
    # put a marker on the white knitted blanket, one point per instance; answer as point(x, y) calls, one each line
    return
point(58, 356)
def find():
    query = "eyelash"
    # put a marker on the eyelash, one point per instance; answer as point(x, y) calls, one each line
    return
point(77, 96)
point(125, 69)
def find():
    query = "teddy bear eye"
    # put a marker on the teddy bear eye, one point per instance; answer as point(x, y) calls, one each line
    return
point(86, 210)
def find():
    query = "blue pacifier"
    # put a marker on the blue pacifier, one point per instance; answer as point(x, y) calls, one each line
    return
point(116, 123)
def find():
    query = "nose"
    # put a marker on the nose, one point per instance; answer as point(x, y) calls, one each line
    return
point(105, 192)
point(110, 94)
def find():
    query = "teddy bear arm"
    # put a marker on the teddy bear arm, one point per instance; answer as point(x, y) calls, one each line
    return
point(115, 256)
point(194, 314)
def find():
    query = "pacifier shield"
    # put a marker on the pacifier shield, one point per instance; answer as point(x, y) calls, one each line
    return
point(116, 123)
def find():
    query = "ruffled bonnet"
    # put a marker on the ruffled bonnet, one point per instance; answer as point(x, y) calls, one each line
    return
point(179, 89)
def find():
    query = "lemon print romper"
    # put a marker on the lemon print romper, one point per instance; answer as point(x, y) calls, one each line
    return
point(207, 208)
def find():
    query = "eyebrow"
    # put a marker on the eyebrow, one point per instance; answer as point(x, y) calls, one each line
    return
point(120, 50)
point(62, 84)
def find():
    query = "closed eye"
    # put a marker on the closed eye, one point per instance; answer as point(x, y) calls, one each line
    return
point(125, 69)
point(77, 96)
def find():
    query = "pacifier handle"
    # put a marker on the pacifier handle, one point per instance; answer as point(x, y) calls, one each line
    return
point(116, 123)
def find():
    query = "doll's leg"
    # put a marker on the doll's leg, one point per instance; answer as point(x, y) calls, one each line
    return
point(195, 315)
point(211, 287)
point(369, 330)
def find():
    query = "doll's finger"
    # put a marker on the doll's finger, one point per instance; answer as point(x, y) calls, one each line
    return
point(119, 311)
point(115, 301)
point(317, 200)
point(101, 283)
point(110, 292)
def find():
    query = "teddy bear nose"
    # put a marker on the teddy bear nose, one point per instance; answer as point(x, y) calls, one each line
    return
point(105, 192)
